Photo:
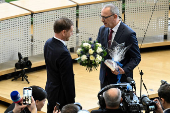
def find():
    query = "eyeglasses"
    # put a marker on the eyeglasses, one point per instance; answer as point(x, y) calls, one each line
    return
point(105, 17)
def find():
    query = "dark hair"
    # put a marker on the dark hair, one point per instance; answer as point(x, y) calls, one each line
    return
point(70, 108)
point(38, 93)
point(164, 92)
point(62, 24)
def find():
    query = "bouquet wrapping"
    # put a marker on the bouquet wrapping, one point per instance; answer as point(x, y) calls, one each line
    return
point(117, 53)
point(91, 54)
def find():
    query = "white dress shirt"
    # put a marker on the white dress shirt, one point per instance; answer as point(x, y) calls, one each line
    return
point(60, 40)
point(115, 30)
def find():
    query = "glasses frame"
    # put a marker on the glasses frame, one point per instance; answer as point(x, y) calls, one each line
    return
point(105, 17)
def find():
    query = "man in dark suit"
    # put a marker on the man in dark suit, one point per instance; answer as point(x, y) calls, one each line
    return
point(112, 99)
point(114, 29)
point(164, 96)
point(60, 85)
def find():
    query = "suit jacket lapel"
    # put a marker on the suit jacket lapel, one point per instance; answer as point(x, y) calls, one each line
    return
point(119, 32)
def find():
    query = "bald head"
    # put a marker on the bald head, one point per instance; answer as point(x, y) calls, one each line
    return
point(112, 97)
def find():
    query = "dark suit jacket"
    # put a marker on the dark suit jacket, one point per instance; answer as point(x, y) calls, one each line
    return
point(60, 85)
point(167, 111)
point(107, 111)
point(132, 56)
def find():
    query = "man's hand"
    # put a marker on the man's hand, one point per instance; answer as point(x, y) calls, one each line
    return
point(18, 108)
point(55, 110)
point(32, 108)
point(159, 108)
point(120, 70)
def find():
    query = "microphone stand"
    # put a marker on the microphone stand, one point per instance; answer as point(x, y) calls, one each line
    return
point(141, 73)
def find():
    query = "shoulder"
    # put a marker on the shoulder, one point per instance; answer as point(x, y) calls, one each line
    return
point(167, 111)
point(103, 28)
point(97, 111)
point(127, 28)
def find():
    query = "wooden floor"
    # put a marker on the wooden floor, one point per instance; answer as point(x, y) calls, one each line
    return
point(155, 65)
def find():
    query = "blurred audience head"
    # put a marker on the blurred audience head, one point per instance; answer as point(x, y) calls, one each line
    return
point(70, 108)
point(39, 95)
point(73, 108)
point(112, 98)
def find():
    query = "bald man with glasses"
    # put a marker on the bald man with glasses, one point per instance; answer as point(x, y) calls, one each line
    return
point(114, 29)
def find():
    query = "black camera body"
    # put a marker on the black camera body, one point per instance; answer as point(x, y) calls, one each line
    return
point(23, 62)
point(148, 105)
point(131, 103)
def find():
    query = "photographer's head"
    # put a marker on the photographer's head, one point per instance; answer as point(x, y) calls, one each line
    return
point(39, 95)
point(164, 95)
point(112, 98)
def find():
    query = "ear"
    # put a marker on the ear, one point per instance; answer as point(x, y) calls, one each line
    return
point(121, 99)
point(63, 32)
point(115, 16)
point(37, 102)
point(163, 100)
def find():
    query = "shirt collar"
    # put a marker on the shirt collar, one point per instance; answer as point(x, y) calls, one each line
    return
point(116, 27)
point(60, 40)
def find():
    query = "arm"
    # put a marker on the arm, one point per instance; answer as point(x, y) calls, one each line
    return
point(18, 108)
point(99, 36)
point(133, 53)
point(67, 76)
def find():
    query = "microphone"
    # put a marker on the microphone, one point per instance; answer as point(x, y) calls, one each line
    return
point(15, 96)
point(163, 82)
point(132, 82)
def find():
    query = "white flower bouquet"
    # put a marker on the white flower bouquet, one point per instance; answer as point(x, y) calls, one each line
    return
point(91, 54)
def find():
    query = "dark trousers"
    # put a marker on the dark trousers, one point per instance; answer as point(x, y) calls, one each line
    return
point(110, 78)
point(50, 108)
point(105, 83)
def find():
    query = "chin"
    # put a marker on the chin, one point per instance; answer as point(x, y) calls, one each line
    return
point(105, 26)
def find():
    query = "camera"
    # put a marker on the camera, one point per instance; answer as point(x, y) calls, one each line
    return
point(23, 62)
point(148, 105)
point(131, 103)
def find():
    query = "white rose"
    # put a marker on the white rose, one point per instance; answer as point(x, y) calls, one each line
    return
point(98, 59)
point(89, 45)
point(98, 44)
point(86, 45)
point(79, 51)
point(99, 50)
point(83, 57)
point(92, 57)
point(91, 51)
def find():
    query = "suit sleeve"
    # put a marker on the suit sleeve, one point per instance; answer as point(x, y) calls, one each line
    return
point(134, 54)
point(67, 76)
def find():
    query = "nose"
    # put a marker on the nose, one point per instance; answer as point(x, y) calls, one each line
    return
point(102, 19)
